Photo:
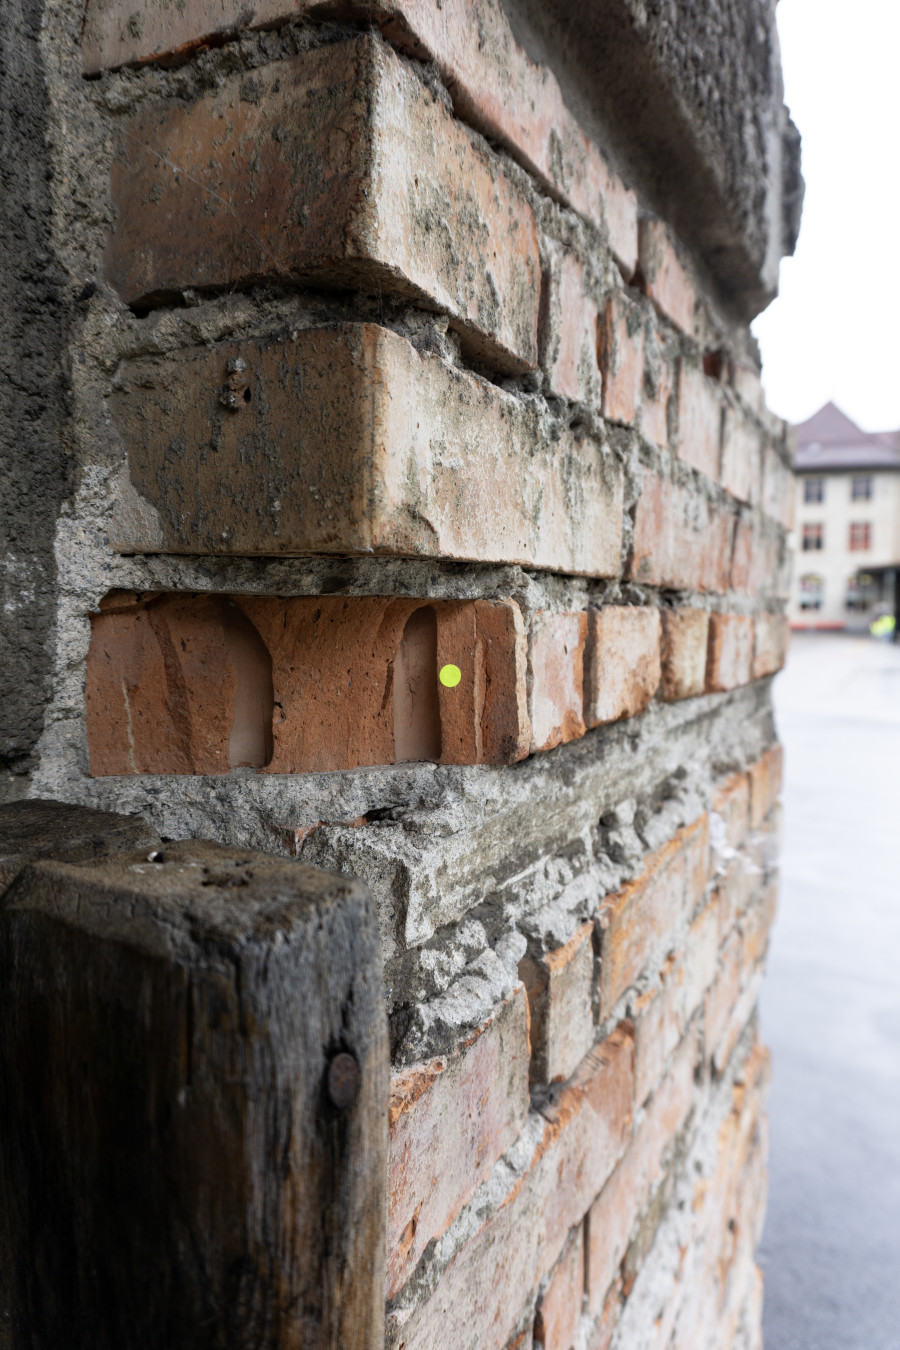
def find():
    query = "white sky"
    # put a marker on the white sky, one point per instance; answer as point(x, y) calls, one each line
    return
point(834, 331)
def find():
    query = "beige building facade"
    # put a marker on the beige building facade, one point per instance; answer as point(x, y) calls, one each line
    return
point(847, 530)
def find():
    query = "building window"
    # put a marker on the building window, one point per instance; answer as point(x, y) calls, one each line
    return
point(861, 489)
point(860, 592)
point(812, 588)
point(814, 537)
point(860, 538)
point(814, 489)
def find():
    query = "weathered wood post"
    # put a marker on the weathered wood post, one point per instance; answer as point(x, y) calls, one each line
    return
point(194, 1076)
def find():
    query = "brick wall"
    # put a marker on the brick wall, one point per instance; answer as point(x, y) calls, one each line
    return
point(428, 523)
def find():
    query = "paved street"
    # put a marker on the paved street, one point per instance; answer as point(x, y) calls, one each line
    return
point(831, 1005)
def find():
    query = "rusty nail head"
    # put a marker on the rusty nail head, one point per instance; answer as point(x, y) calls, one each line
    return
point(343, 1081)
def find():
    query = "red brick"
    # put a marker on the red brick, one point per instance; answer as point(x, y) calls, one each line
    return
point(620, 341)
point(681, 540)
point(662, 1015)
point(777, 488)
point(559, 1307)
point(685, 634)
point(640, 925)
point(699, 421)
point(695, 843)
point(665, 279)
point(353, 443)
point(496, 86)
point(116, 33)
point(320, 682)
point(730, 656)
point(660, 367)
point(497, 1270)
point(556, 677)
point(569, 332)
point(773, 633)
point(748, 387)
point(731, 1000)
point(614, 1214)
point(601, 1334)
point(623, 662)
point(560, 987)
point(741, 457)
point(765, 785)
point(450, 1119)
point(732, 804)
point(244, 204)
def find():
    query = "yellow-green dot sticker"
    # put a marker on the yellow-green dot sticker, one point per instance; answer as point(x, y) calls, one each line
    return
point(450, 676)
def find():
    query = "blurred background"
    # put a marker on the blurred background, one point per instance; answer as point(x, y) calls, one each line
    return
point(831, 1004)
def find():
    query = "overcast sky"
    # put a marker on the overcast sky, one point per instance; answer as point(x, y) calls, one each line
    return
point(834, 331)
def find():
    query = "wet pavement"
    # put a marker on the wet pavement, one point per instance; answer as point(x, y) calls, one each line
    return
point(831, 1004)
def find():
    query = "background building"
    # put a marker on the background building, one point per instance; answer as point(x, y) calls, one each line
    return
point(847, 522)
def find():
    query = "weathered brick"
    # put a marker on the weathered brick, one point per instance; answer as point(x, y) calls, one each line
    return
point(685, 634)
point(772, 634)
point(662, 1015)
point(730, 656)
point(559, 986)
point(659, 383)
point(569, 352)
point(699, 421)
point(200, 684)
point(623, 662)
point(556, 678)
point(748, 387)
point(116, 33)
point(732, 804)
point(695, 844)
point(732, 998)
point(352, 442)
point(559, 1307)
point(601, 1333)
point(450, 1119)
point(765, 784)
point(614, 1214)
point(741, 456)
point(494, 1273)
point(641, 924)
point(777, 488)
point(620, 341)
point(665, 279)
point(283, 174)
point(733, 893)
point(492, 78)
point(681, 539)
